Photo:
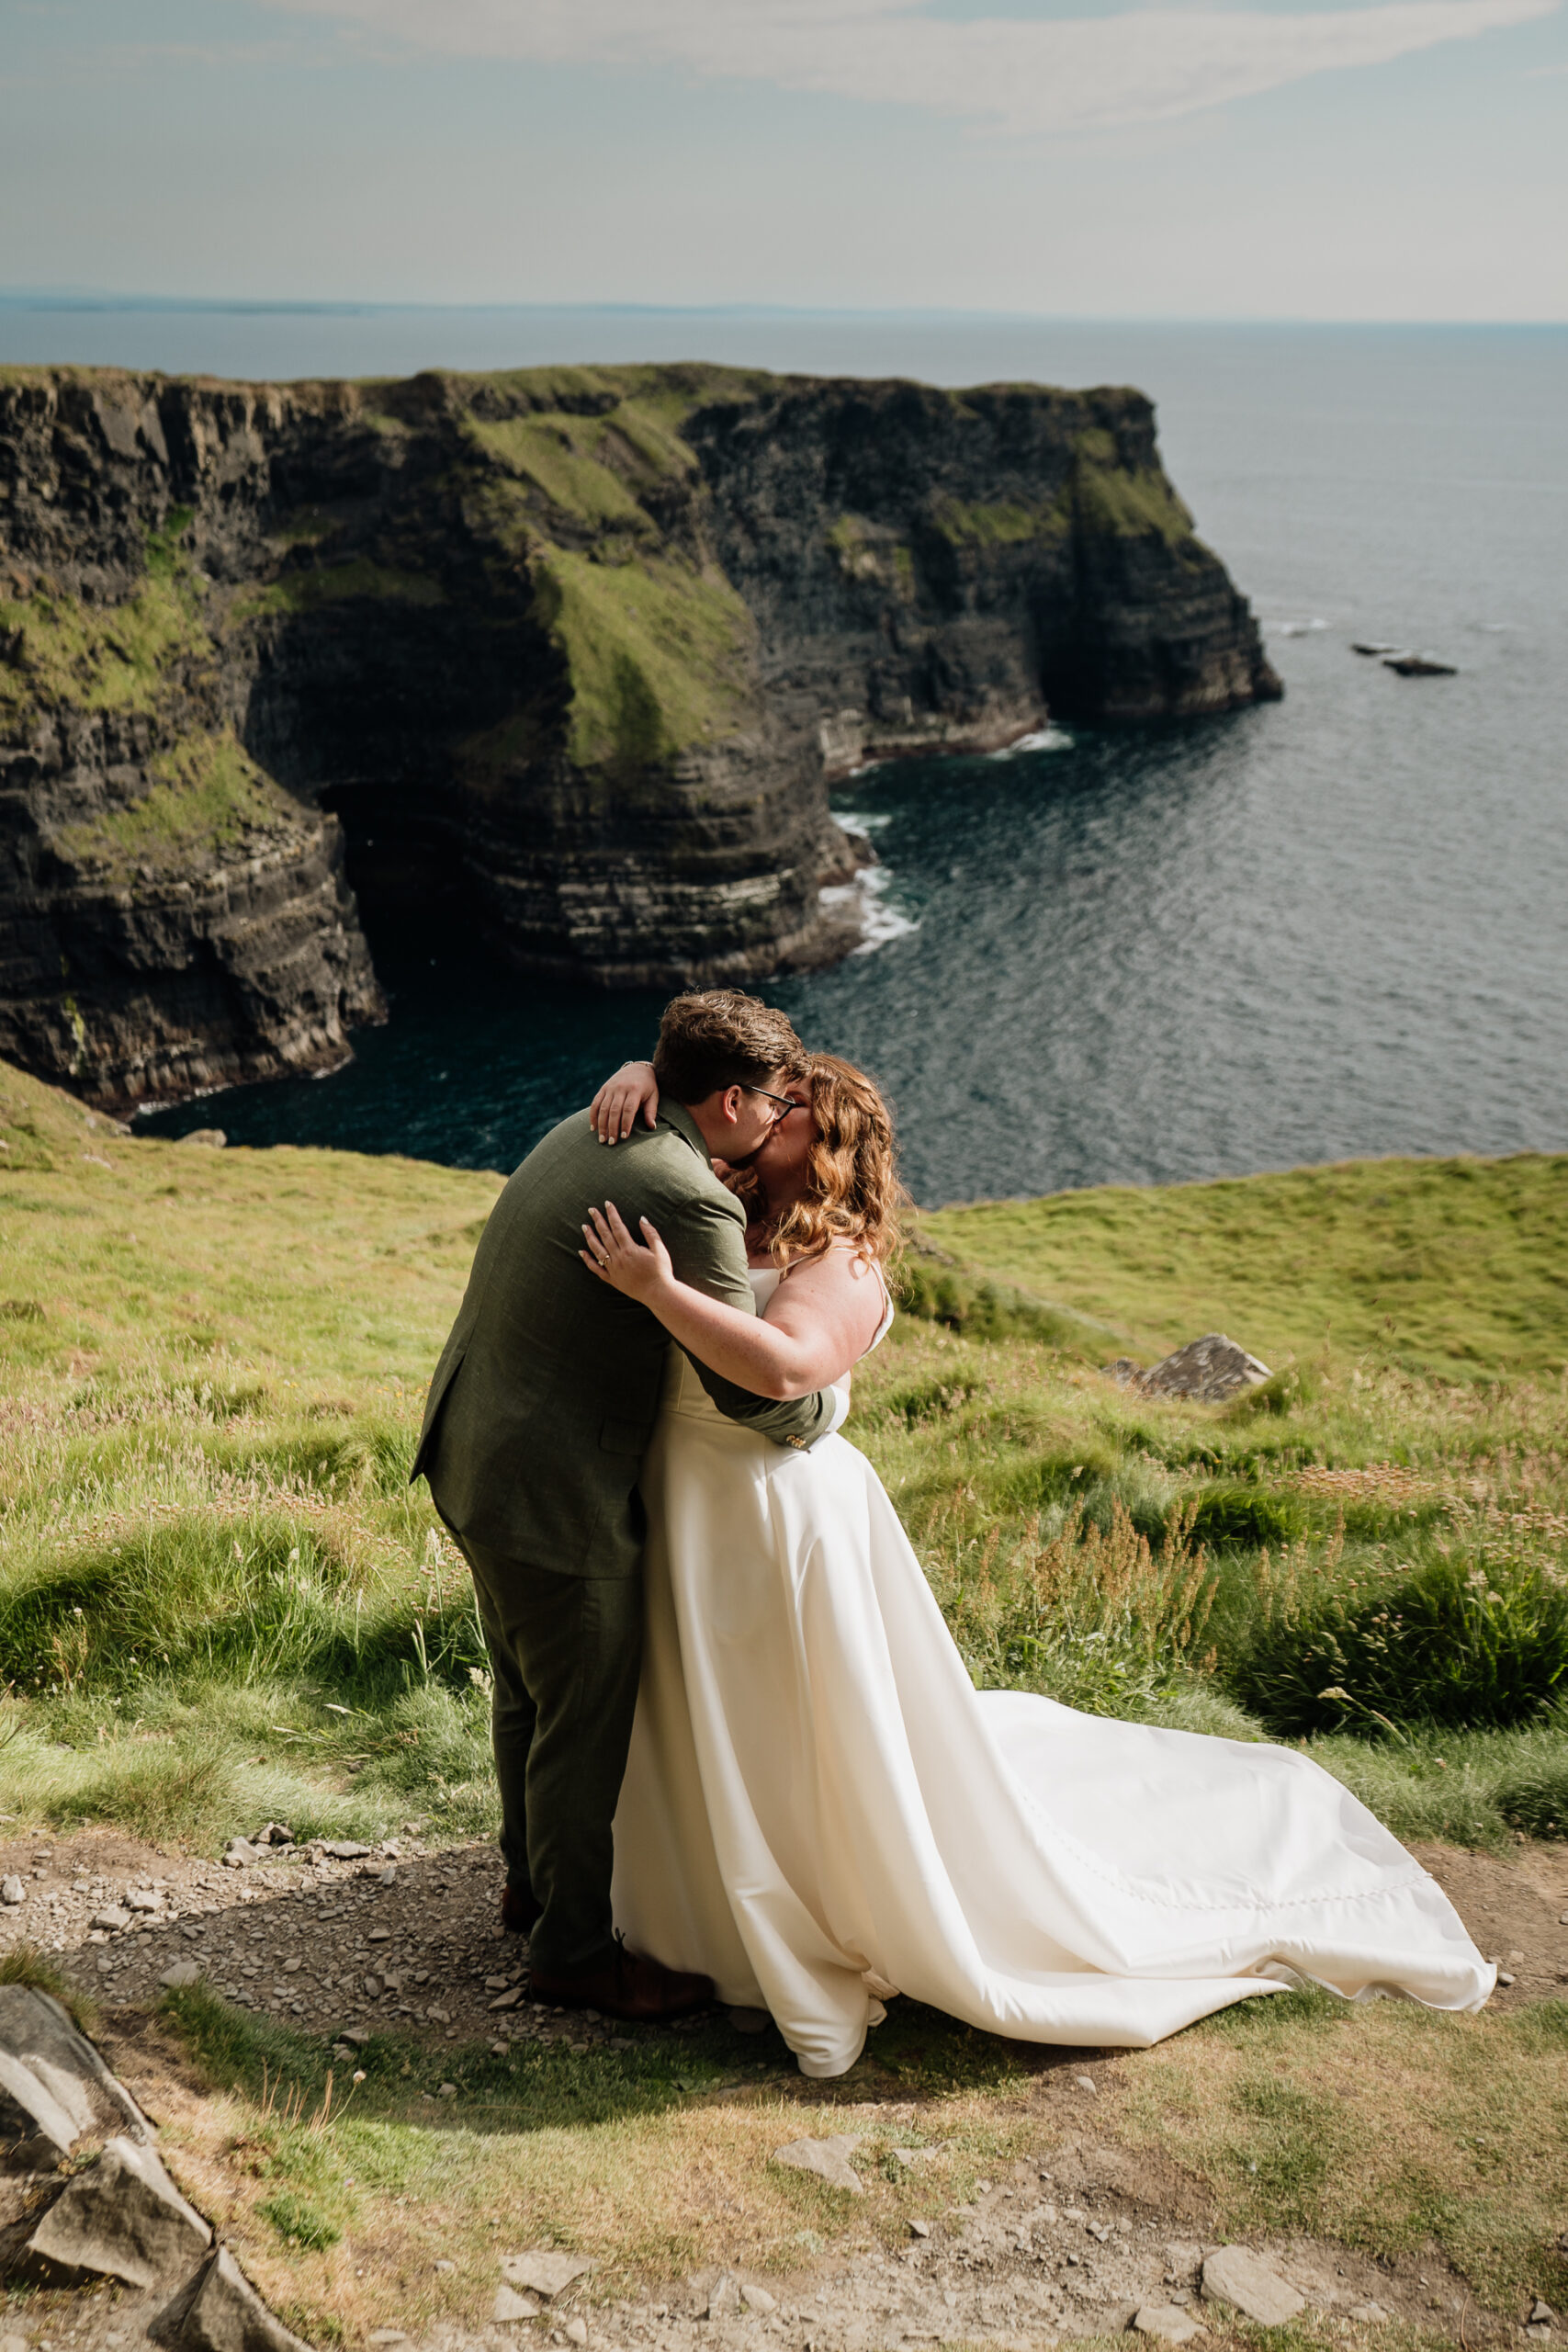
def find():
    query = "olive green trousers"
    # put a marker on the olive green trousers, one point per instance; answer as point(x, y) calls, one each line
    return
point(565, 1652)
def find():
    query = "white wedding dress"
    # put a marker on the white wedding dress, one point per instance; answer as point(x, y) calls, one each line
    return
point(821, 1810)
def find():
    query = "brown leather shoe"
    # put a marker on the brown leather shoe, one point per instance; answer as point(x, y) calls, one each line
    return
point(628, 1985)
point(518, 1911)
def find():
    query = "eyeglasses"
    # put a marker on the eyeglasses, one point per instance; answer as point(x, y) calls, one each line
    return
point(783, 1106)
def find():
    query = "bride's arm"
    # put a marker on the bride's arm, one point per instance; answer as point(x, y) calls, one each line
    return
point(817, 1324)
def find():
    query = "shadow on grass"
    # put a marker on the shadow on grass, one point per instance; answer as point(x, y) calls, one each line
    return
point(537, 2087)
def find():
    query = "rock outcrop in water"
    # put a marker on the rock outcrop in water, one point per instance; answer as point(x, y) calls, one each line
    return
point(577, 651)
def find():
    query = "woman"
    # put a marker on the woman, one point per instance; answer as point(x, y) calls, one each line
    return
point(819, 1809)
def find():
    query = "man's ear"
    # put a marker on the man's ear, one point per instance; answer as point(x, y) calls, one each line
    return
point(730, 1103)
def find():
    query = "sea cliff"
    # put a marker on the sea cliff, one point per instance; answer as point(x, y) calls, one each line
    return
point(577, 652)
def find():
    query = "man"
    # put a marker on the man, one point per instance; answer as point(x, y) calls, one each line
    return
point(538, 1415)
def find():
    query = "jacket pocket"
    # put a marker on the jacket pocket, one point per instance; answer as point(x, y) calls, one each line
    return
point(625, 1437)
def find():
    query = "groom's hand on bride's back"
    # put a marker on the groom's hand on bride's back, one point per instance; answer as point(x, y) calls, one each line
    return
point(613, 1111)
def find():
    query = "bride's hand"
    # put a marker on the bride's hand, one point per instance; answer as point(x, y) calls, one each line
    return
point(612, 1114)
point(618, 1260)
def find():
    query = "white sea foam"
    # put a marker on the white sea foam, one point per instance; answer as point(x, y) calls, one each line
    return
point(866, 896)
point(874, 822)
point(1300, 629)
point(1047, 739)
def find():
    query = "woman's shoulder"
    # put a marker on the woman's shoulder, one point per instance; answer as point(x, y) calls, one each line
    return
point(844, 1265)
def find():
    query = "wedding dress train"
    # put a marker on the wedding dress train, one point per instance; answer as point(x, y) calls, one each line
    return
point(821, 1810)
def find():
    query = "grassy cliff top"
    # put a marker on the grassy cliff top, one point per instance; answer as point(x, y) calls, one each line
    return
point(1448, 1266)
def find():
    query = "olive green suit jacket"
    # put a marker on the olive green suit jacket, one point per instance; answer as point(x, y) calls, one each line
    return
point(545, 1398)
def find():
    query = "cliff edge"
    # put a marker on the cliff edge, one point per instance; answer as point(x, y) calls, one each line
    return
point(577, 652)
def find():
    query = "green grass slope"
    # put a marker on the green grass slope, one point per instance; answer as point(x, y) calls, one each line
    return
point(221, 1602)
point(221, 1599)
point(1457, 1266)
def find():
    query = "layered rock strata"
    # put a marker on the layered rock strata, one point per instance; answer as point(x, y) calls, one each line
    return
point(574, 651)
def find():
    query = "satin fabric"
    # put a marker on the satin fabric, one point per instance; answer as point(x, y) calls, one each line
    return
point(819, 1809)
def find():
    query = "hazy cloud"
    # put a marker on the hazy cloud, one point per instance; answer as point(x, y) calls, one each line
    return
point(1020, 76)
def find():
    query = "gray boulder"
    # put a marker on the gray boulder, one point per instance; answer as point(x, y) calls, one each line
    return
point(53, 2085)
point(219, 2311)
point(1208, 1370)
point(123, 2219)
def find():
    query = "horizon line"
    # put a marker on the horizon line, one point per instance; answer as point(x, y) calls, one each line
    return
point(91, 299)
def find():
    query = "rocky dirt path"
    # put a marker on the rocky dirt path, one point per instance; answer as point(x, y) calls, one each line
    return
point(1075, 2241)
point(347, 1941)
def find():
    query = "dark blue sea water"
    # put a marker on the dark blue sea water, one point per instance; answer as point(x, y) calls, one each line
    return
point(1332, 926)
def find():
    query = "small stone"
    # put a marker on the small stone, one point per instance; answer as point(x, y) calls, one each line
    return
point(509, 2305)
point(219, 2311)
point(544, 2272)
point(724, 2301)
point(507, 2001)
point(12, 1890)
point(1210, 1369)
point(1542, 2314)
point(211, 1138)
point(445, 2090)
point(1368, 2314)
point(1085, 2083)
point(379, 1936)
point(919, 2229)
point(372, 1988)
point(144, 1899)
point(289, 1966)
point(345, 1850)
point(1235, 2275)
point(1169, 2321)
point(829, 2159)
point(495, 1984)
point(1563, 1919)
point(356, 2036)
point(758, 2299)
point(123, 2218)
point(440, 2017)
point(111, 1917)
point(576, 2331)
point(445, 2269)
point(183, 1973)
point(1505, 1976)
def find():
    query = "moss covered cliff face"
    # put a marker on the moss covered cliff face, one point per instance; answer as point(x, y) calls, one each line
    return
point(576, 652)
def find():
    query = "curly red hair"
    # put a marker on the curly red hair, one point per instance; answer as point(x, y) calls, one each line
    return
point(852, 1189)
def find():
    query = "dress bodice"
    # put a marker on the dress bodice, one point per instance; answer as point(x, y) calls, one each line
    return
point(683, 1391)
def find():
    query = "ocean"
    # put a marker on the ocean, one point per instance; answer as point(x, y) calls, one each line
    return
point(1334, 926)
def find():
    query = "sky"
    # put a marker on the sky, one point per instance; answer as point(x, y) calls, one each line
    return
point(1188, 159)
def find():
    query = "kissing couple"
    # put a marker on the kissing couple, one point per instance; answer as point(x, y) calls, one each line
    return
point(739, 1755)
